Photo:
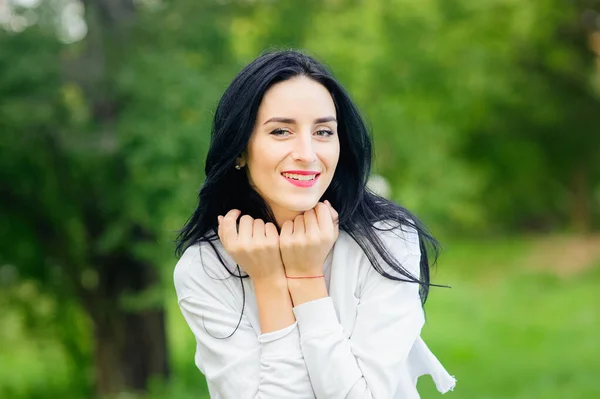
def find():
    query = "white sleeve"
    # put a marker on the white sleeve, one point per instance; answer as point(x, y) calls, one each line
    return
point(244, 365)
point(388, 321)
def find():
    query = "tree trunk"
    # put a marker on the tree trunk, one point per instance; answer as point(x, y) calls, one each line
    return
point(130, 345)
point(129, 351)
point(581, 211)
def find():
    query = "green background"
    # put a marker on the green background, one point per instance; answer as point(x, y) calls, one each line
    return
point(485, 118)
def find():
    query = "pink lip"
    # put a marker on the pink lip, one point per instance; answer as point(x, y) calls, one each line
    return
point(301, 172)
point(302, 183)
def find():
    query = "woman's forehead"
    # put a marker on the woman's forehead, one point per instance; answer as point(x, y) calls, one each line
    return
point(296, 97)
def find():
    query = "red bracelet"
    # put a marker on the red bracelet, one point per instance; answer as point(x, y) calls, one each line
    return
point(301, 277)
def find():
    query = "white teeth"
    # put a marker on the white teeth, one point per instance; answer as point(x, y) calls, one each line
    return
point(299, 177)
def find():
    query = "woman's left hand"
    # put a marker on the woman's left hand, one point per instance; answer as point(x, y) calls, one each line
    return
point(306, 241)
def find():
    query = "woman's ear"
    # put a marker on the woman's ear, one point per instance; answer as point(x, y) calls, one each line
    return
point(241, 160)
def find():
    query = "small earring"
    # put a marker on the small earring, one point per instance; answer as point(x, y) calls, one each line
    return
point(238, 166)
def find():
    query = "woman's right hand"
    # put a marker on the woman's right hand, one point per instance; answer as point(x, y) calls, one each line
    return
point(254, 245)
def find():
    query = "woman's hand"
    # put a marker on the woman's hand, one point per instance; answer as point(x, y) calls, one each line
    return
point(306, 241)
point(254, 245)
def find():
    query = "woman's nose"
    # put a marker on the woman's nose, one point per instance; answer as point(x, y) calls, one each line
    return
point(304, 150)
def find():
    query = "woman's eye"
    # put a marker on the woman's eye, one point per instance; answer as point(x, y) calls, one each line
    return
point(280, 132)
point(324, 132)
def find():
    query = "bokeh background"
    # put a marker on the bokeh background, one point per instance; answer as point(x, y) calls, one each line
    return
point(486, 121)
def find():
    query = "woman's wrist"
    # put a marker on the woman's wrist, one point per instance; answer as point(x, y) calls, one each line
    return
point(276, 282)
point(304, 290)
point(274, 303)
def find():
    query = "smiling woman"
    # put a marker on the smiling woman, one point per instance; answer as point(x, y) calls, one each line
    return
point(296, 280)
point(295, 141)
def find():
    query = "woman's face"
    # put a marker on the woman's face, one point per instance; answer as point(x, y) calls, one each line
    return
point(294, 148)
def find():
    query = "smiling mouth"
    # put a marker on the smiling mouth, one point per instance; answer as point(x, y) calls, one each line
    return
point(304, 180)
point(299, 177)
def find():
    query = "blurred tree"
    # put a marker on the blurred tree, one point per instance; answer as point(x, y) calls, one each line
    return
point(37, 222)
point(101, 149)
point(483, 115)
point(66, 181)
point(539, 136)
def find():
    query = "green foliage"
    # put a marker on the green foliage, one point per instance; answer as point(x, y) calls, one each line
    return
point(484, 116)
point(481, 113)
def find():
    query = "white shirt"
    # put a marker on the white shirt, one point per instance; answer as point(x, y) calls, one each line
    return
point(363, 341)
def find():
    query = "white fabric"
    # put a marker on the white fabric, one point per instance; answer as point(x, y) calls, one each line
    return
point(363, 341)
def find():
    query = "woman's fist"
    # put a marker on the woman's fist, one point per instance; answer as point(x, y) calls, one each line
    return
point(306, 241)
point(253, 245)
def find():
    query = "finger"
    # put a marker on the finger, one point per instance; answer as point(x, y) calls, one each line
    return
point(219, 220)
point(324, 218)
point(334, 214)
point(245, 228)
point(228, 228)
point(299, 225)
point(287, 229)
point(311, 224)
point(233, 214)
point(271, 230)
point(335, 217)
point(258, 228)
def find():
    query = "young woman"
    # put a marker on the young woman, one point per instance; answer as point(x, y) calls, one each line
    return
point(295, 279)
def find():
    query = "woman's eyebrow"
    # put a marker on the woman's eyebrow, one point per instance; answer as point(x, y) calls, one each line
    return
point(293, 121)
point(326, 119)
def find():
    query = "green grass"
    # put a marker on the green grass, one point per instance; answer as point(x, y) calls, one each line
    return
point(504, 329)
point(507, 331)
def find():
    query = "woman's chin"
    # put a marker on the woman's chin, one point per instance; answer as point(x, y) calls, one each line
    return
point(288, 210)
point(303, 206)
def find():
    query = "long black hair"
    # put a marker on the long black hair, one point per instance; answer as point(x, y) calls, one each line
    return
point(226, 188)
